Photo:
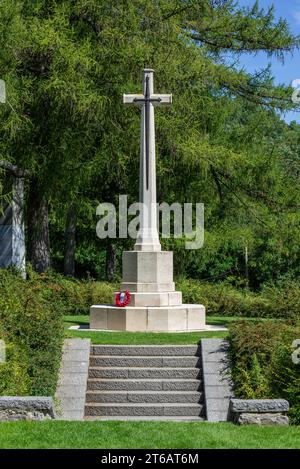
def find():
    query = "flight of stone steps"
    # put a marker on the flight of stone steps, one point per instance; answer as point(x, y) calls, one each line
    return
point(157, 382)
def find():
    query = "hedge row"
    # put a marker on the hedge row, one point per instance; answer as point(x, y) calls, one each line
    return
point(222, 299)
point(262, 364)
point(74, 297)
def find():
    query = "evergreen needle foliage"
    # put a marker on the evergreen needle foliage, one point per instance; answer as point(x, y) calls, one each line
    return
point(66, 65)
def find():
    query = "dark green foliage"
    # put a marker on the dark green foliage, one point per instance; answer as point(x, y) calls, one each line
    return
point(66, 65)
point(262, 362)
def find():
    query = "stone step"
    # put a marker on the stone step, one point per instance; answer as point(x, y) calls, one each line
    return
point(142, 373)
point(179, 418)
point(144, 397)
point(145, 361)
point(95, 384)
point(146, 350)
point(172, 410)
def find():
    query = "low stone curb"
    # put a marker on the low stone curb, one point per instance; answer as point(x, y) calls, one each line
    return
point(259, 411)
point(26, 408)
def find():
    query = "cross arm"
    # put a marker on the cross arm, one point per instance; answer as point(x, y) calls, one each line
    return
point(133, 99)
point(161, 99)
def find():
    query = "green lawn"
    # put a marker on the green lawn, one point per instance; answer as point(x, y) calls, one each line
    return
point(147, 434)
point(152, 435)
point(181, 338)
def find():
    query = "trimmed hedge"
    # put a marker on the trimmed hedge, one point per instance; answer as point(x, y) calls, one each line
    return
point(262, 365)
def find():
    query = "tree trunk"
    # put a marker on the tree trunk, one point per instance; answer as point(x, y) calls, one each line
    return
point(38, 229)
point(70, 242)
point(110, 261)
point(246, 266)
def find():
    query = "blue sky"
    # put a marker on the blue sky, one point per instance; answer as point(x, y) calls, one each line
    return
point(290, 70)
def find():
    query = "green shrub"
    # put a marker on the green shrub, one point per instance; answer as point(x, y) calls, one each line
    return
point(31, 323)
point(223, 299)
point(262, 366)
point(14, 378)
point(284, 298)
point(72, 296)
point(31, 326)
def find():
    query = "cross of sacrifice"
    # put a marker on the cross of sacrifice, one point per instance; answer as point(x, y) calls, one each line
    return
point(146, 101)
point(148, 235)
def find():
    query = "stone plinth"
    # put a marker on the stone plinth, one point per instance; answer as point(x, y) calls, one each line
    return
point(155, 306)
point(179, 318)
point(140, 287)
point(148, 267)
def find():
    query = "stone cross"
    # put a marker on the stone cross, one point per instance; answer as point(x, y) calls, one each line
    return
point(147, 238)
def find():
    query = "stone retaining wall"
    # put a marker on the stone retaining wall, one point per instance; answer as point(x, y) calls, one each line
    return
point(72, 382)
point(216, 378)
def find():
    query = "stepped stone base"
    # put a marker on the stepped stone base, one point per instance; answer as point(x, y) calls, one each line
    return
point(172, 298)
point(147, 419)
point(155, 306)
point(178, 318)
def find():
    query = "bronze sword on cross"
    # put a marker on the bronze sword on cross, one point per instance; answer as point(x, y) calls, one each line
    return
point(147, 101)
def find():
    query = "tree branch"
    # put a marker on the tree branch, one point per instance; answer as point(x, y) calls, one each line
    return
point(14, 170)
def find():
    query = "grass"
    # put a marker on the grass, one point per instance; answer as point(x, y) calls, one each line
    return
point(154, 338)
point(144, 435)
point(117, 338)
point(152, 435)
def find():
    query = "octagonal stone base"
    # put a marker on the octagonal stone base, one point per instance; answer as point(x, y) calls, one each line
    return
point(181, 318)
point(173, 298)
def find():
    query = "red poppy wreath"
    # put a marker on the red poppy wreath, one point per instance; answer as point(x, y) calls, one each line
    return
point(122, 298)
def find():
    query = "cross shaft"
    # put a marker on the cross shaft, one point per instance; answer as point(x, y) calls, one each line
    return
point(148, 234)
